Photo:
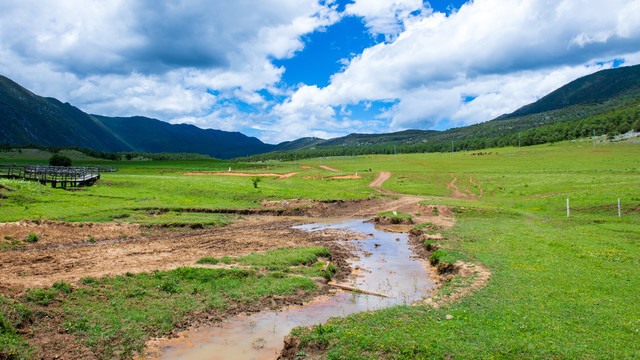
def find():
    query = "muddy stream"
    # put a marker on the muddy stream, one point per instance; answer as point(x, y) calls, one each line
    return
point(385, 264)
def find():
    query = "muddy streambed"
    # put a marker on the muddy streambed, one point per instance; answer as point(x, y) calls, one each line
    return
point(385, 264)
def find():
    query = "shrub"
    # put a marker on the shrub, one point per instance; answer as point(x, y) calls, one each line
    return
point(31, 238)
point(40, 296)
point(5, 326)
point(436, 256)
point(255, 181)
point(63, 287)
point(91, 281)
point(59, 160)
point(169, 286)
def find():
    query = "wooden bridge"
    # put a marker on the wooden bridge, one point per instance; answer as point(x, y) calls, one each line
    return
point(55, 175)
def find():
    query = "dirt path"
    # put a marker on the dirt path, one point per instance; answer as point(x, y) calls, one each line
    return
point(380, 179)
point(455, 192)
point(328, 168)
point(279, 176)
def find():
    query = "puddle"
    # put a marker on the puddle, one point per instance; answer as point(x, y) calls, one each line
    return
point(386, 265)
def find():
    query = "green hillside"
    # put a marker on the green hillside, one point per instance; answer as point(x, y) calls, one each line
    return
point(154, 136)
point(596, 89)
point(606, 102)
point(26, 118)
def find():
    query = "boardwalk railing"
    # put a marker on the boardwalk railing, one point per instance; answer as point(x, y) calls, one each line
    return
point(54, 175)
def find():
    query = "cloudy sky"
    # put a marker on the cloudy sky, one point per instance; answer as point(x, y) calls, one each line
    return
point(284, 69)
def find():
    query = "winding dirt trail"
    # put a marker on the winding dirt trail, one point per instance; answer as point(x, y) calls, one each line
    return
point(455, 192)
point(379, 180)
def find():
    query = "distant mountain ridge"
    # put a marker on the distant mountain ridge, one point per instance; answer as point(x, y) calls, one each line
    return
point(26, 118)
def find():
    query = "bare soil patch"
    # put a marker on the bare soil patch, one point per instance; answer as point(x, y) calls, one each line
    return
point(328, 168)
point(163, 249)
point(56, 233)
point(72, 251)
point(345, 177)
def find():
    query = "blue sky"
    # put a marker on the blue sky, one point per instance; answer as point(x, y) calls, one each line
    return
point(284, 69)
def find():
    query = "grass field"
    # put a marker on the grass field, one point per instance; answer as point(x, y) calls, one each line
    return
point(561, 287)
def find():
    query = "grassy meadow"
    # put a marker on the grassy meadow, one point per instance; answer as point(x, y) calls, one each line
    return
point(560, 287)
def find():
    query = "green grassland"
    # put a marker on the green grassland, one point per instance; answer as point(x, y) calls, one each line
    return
point(561, 287)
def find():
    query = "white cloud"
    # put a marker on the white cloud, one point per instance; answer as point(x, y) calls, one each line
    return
point(387, 17)
point(505, 54)
point(191, 61)
point(143, 57)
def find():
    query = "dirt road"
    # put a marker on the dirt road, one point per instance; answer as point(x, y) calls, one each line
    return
point(380, 179)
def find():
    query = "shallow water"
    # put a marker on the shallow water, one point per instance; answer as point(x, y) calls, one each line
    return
point(386, 265)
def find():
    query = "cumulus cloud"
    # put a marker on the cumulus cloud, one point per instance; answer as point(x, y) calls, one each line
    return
point(388, 17)
point(502, 54)
point(212, 65)
point(152, 58)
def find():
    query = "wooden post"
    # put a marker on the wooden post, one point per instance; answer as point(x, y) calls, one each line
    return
point(619, 211)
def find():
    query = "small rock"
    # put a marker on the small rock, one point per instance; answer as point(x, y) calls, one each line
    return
point(377, 245)
point(448, 317)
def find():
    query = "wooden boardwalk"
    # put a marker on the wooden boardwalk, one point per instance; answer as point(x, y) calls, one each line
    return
point(56, 176)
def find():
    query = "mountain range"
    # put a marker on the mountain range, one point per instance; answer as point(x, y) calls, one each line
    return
point(26, 118)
